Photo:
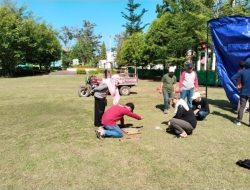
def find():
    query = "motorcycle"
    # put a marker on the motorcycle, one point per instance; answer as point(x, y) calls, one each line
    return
point(87, 89)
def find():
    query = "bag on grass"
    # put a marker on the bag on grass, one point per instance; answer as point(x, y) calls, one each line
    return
point(244, 163)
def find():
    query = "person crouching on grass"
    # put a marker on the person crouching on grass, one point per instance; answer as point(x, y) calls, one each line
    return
point(111, 116)
point(184, 121)
point(200, 106)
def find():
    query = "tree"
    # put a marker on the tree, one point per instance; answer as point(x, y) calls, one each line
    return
point(132, 50)
point(134, 22)
point(232, 7)
point(23, 40)
point(87, 47)
point(66, 35)
point(186, 23)
point(168, 39)
point(103, 54)
point(10, 55)
point(181, 25)
point(83, 51)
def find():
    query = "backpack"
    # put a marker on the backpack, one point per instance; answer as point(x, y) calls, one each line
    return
point(244, 163)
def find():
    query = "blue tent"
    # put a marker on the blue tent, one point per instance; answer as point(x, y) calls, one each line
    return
point(231, 43)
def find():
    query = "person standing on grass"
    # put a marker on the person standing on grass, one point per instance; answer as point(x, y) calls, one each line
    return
point(200, 106)
point(100, 94)
point(111, 116)
point(239, 86)
point(188, 83)
point(108, 85)
point(167, 85)
point(244, 76)
point(184, 121)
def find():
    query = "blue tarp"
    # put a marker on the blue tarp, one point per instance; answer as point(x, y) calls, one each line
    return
point(231, 43)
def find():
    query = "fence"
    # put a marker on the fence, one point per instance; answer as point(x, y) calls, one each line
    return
point(212, 78)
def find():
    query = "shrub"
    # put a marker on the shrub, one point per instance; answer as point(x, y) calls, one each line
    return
point(80, 71)
point(94, 72)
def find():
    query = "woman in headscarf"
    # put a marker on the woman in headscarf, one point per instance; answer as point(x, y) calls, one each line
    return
point(108, 85)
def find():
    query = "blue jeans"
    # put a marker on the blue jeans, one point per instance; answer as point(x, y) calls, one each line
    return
point(201, 115)
point(187, 93)
point(113, 131)
point(166, 97)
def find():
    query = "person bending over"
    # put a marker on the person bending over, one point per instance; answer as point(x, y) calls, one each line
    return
point(184, 121)
point(111, 116)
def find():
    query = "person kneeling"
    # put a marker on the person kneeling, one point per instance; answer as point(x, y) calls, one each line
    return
point(111, 116)
point(200, 106)
point(184, 121)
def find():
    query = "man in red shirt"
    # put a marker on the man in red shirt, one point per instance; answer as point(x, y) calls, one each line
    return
point(111, 116)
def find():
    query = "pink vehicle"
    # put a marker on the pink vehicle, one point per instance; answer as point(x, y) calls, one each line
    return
point(127, 79)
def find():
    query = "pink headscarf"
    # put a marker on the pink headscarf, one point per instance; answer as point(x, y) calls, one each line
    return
point(112, 84)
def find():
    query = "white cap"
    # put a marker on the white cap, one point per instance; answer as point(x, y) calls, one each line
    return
point(196, 95)
point(171, 69)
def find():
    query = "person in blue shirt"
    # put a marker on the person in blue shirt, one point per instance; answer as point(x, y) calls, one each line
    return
point(244, 77)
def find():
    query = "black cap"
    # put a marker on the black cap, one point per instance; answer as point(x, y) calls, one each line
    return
point(131, 105)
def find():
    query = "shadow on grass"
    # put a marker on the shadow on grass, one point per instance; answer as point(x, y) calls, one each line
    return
point(160, 107)
point(230, 118)
point(223, 104)
point(127, 125)
point(168, 130)
point(133, 92)
point(130, 125)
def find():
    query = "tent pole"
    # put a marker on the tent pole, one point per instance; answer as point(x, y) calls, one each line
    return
point(207, 62)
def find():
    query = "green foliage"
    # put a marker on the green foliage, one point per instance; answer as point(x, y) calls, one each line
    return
point(103, 54)
point(233, 8)
point(94, 72)
point(134, 22)
point(80, 71)
point(23, 39)
point(133, 50)
point(82, 50)
point(87, 45)
point(66, 35)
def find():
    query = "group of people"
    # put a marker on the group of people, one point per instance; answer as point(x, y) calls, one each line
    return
point(186, 112)
point(189, 106)
point(106, 121)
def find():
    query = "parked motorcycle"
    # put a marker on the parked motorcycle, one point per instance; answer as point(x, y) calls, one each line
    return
point(87, 89)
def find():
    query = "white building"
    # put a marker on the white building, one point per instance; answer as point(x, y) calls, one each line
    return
point(109, 62)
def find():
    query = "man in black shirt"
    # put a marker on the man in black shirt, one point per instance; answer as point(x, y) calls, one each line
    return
point(184, 121)
point(200, 106)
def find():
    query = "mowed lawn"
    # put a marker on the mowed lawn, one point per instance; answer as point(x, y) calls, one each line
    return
point(47, 141)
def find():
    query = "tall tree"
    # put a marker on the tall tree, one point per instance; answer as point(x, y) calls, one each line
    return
point(24, 40)
point(134, 21)
point(133, 50)
point(233, 7)
point(87, 47)
point(103, 54)
point(66, 35)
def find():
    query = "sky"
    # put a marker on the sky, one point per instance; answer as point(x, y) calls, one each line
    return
point(106, 14)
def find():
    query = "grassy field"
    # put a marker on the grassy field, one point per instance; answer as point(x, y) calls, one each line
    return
point(47, 142)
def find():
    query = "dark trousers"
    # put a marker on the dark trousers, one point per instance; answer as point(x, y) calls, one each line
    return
point(179, 125)
point(201, 115)
point(243, 102)
point(100, 104)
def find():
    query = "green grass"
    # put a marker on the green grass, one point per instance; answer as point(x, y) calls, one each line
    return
point(47, 142)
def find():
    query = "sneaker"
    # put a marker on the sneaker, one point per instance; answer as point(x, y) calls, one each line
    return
point(165, 111)
point(237, 122)
point(98, 135)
